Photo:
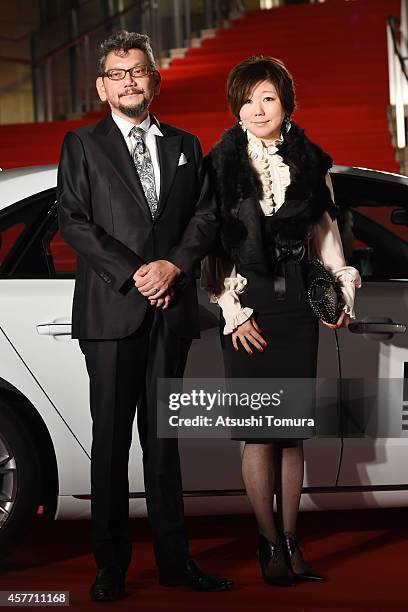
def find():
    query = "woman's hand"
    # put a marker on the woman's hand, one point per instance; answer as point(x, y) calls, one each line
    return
point(343, 321)
point(248, 333)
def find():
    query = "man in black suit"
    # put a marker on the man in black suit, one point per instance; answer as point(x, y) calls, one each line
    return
point(133, 203)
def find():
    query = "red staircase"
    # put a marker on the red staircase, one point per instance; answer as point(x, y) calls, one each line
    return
point(336, 52)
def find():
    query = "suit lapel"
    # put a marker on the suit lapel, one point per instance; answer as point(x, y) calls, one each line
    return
point(116, 151)
point(168, 148)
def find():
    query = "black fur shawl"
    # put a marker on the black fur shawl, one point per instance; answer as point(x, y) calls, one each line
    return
point(234, 181)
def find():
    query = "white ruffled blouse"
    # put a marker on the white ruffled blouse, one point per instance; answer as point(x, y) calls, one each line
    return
point(324, 245)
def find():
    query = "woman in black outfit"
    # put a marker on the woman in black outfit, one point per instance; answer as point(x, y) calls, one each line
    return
point(276, 205)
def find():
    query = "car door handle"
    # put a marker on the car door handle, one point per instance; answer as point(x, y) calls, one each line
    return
point(383, 328)
point(54, 329)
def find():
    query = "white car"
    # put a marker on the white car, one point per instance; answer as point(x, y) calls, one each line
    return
point(45, 425)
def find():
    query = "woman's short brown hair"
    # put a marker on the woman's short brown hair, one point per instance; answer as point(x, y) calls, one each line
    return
point(244, 76)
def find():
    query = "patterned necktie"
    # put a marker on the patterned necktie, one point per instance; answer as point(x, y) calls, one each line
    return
point(144, 167)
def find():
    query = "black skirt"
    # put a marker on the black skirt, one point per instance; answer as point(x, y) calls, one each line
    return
point(289, 327)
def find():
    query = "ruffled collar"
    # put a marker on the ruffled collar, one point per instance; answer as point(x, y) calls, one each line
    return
point(259, 147)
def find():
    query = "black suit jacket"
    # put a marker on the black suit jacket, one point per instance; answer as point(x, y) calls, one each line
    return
point(104, 216)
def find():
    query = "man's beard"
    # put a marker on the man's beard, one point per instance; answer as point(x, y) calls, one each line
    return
point(135, 111)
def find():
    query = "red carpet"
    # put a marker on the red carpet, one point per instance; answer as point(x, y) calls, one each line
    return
point(361, 553)
point(336, 52)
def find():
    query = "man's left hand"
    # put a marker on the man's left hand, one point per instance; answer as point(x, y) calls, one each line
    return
point(163, 302)
point(154, 279)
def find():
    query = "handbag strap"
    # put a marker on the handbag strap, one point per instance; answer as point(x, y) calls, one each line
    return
point(340, 414)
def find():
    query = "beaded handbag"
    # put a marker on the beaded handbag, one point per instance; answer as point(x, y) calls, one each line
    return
point(323, 293)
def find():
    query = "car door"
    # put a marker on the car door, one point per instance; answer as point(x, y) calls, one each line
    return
point(37, 278)
point(374, 351)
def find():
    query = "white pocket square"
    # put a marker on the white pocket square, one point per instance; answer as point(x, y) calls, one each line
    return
point(182, 160)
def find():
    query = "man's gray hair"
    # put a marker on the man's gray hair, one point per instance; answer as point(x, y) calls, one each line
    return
point(121, 42)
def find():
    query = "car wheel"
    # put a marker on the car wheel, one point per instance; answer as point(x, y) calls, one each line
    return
point(20, 479)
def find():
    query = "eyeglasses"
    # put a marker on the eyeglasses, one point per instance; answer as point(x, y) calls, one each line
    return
point(118, 74)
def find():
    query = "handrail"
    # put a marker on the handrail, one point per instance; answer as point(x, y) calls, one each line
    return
point(28, 34)
point(16, 39)
point(16, 60)
point(392, 23)
point(398, 75)
point(73, 41)
point(81, 37)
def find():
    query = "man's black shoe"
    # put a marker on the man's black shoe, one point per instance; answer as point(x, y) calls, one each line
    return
point(109, 585)
point(192, 575)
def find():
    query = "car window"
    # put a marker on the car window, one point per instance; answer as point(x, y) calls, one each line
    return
point(63, 257)
point(8, 238)
point(20, 255)
point(31, 245)
point(382, 215)
point(372, 243)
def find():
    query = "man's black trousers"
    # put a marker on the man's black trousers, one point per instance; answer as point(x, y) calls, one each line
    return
point(123, 374)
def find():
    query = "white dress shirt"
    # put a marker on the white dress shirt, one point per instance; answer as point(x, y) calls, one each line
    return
point(151, 131)
point(325, 242)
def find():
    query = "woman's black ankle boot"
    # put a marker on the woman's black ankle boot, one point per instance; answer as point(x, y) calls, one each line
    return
point(273, 565)
point(290, 548)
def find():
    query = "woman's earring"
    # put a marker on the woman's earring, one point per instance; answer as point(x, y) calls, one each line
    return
point(287, 124)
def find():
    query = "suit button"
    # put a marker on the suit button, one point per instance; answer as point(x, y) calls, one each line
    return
point(105, 277)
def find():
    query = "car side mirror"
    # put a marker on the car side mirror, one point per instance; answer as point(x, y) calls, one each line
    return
point(399, 216)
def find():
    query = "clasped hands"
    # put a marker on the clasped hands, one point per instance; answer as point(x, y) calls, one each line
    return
point(155, 281)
